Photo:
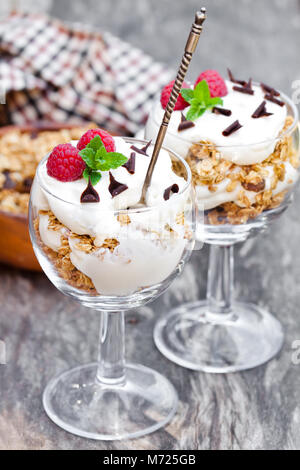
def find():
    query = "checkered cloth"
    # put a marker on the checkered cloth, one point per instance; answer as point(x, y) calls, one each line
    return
point(64, 73)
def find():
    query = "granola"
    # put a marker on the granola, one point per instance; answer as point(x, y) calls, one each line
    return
point(209, 169)
point(62, 260)
point(20, 153)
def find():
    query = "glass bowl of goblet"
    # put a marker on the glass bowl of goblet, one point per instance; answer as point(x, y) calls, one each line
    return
point(146, 249)
point(219, 334)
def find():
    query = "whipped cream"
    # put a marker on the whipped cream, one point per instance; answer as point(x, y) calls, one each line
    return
point(251, 144)
point(133, 264)
point(147, 252)
point(94, 218)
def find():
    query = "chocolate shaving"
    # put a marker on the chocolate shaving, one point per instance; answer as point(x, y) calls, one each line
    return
point(26, 184)
point(234, 80)
point(8, 183)
point(274, 100)
point(261, 111)
point(249, 84)
point(34, 135)
point(232, 128)
point(115, 188)
point(143, 150)
point(245, 89)
point(130, 164)
point(254, 187)
point(225, 112)
point(174, 188)
point(184, 124)
point(89, 194)
point(269, 89)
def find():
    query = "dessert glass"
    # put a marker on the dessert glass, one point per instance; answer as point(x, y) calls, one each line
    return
point(112, 399)
point(219, 334)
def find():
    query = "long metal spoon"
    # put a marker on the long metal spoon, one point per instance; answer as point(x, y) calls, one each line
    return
point(190, 48)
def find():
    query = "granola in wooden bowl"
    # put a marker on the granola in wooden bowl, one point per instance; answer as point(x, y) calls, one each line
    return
point(21, 149)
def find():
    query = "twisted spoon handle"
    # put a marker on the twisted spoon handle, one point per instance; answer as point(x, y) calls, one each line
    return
point(190, 47)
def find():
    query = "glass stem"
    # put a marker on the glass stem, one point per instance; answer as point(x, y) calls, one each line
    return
point(111, 360)
point(220, 279)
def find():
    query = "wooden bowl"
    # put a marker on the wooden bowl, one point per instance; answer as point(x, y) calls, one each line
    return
point(15, 245)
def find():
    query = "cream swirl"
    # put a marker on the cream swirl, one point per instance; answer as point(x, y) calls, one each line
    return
point(251, 144)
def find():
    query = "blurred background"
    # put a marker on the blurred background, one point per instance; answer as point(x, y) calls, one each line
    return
point(253, 37)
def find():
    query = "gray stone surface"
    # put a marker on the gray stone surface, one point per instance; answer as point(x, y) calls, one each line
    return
point(46, 332)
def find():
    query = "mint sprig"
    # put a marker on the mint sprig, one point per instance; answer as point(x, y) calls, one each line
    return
point(199, 99)
point(97, 159)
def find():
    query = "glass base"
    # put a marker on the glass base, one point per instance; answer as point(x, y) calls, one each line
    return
point(198, 340)
point(78, 403)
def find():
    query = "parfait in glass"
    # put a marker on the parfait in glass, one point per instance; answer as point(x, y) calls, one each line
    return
point(241, 140)
point(99, 246)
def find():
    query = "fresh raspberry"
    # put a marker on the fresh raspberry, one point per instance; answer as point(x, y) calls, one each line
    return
point(106, 138)
point(65, 163)
point(216, 84)
point(165, 95)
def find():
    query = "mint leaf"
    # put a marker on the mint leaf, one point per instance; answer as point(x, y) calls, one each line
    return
point(196, 110)
point(201, 91)
point(199, 99)
point(97, 159)
point(86, 174)
point(96, 143)
point(95, 177)
point(116, 159)
point(187, 94)
point(101, 153)
point(216, 100)
point(88, 156)
point(112, 161)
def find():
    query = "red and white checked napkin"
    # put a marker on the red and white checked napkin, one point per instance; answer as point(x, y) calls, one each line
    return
point(64, 73)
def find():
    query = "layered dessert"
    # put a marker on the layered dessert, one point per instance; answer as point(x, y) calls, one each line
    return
point(90, 224)
point(237, 138)
point(21, 150)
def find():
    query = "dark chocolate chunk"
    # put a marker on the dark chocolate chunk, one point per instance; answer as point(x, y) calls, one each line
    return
point(115, 188)
point(143, 150)
point(174, 188)
point(261, 111)
point(27, 183)
point(184, 124)
point(243, 89)
point(274, 100)
point(130, 164)
point(235, 126)
point(254, 187)
point(34, 135)
point(234, 80)
point(269, 89)
point(89, 194)
point(8, 183)
point(225, 112)
point(249, 84)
